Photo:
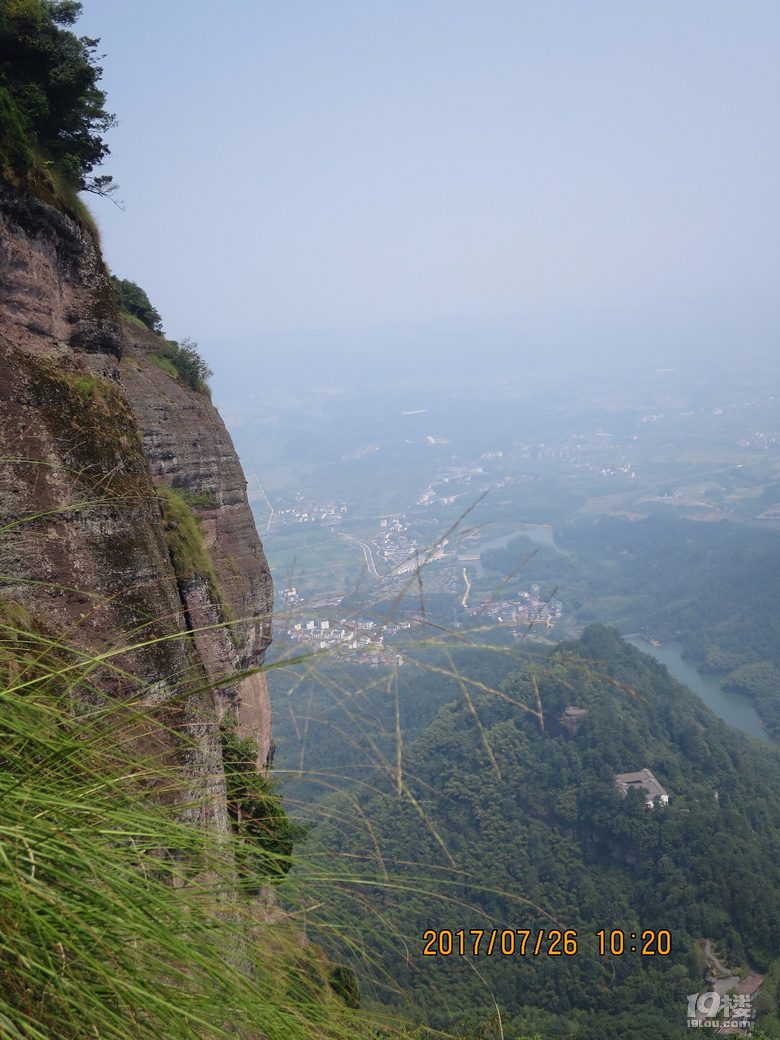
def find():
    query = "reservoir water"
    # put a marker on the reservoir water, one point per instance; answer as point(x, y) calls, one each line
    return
point(737, 711)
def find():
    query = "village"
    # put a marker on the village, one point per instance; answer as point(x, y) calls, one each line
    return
point(357, 639)
point(527, 609)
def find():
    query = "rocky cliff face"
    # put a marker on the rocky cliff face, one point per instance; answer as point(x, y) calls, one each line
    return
point(188, 447)
point(89, 425)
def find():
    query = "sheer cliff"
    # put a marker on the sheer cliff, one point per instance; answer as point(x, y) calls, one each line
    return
point(188, 448)
point(93, 432)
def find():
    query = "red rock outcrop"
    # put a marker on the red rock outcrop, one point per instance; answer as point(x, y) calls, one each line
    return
point(84, 439)
point(189, 448)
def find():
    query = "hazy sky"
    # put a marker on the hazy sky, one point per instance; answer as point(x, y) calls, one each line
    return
point(324, 166)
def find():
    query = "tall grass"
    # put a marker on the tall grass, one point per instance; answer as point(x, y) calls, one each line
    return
point(126, 911)
point(117, 918)
point(366, 871)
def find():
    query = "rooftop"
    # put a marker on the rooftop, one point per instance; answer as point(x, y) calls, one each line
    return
point(644, 779)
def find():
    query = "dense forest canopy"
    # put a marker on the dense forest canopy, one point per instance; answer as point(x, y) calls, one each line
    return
point(499, 823)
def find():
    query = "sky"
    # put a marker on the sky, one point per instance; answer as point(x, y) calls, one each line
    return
point(323, 177)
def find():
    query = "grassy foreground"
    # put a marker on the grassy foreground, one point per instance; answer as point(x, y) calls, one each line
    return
point(118, 919)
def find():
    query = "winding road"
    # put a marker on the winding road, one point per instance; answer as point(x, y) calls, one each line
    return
point(464, 601)
point(367, 553)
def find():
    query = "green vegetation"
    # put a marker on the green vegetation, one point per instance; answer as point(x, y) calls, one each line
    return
point(119, 919)
point(265, 832)
point(132, 299)
point(52, 112)
point(709, 586)
point(182, 534)
point(15, 156)
point(179, 360)
point(183, 537)
point(199, 500)
point(164, 364)
point(335, 721)
point(188, 363)
point(482, 819)
point(183, 360)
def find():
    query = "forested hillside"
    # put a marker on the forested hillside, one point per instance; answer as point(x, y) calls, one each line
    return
point(493, 822)
point(711, 586)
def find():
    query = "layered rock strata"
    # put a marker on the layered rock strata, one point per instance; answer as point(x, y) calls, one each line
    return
point(188, 448)
point(85, 437)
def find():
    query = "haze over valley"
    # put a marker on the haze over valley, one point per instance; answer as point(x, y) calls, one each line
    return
point(429, 687)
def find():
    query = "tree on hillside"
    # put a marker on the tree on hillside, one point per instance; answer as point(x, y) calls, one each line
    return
point(133, 299)
point(49, 79)
point(187, 361)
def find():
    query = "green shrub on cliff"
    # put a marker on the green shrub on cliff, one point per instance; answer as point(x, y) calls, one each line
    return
point(259, 819)
point(132, 299)
point(188, 363)
point(178, 359)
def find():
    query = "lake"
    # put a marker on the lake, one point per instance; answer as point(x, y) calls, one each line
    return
point(737, 711)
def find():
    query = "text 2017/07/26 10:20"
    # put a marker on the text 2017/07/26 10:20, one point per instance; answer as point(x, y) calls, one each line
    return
point(445, 942)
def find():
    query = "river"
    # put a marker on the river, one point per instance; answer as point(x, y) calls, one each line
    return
point(737, 711)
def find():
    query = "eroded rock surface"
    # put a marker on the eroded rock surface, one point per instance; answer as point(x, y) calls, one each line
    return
point(83, 442)
point(189, 448)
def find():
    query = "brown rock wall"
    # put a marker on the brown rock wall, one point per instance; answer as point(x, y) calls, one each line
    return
point(54, 291)
point(82, 544)
point(189, 448)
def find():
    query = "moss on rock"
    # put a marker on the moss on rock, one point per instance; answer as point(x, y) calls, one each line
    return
point(189, 555)
point(93, 428)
